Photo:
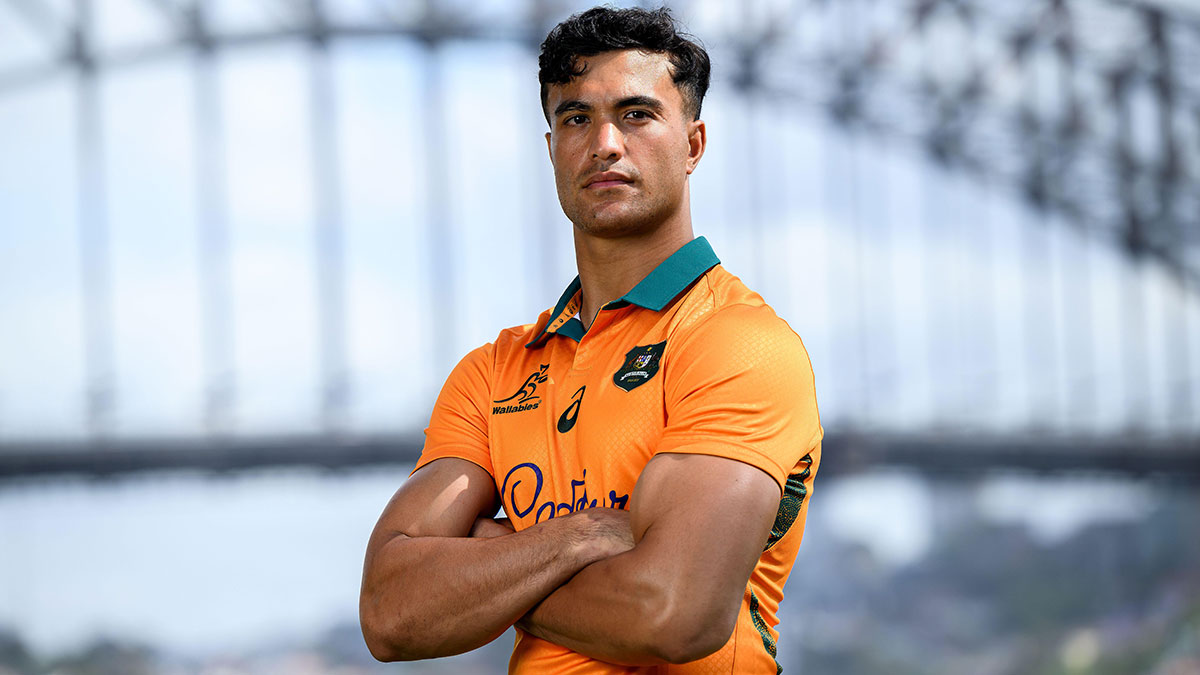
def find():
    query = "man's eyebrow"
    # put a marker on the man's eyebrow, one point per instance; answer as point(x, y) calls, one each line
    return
point(628, 102)
point(574, 104)
point(641, 102)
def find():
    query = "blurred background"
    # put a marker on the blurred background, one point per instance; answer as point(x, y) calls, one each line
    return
point(242, 243)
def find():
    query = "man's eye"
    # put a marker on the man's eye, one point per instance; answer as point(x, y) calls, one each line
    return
point(639, 114)
point(575, 119)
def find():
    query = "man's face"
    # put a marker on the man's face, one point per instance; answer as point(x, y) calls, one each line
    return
point(621, 145)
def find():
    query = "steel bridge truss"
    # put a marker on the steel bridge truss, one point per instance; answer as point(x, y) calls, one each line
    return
point(1089, 109)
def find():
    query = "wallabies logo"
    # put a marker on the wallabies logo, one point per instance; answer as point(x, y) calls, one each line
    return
point(526, 397)
point(641, 364)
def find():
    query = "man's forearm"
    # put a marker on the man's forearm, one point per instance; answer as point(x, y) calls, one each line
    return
point(612, 610)
point(700, 523)
point(426, 597)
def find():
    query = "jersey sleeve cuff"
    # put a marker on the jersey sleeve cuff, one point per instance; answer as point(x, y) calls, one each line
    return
point(459, 452)
point(741, 453)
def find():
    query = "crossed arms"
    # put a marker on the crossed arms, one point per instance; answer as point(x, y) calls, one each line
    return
point(661, 583)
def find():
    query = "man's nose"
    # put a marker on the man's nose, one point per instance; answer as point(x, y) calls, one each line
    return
point(608, 143)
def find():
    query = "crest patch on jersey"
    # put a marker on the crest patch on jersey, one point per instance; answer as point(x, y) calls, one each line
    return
point(641, 364)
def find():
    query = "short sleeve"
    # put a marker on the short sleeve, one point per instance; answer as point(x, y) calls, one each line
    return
point(458, 426)
point(740, 385)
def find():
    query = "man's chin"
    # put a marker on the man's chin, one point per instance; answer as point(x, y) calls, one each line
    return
point(608, 227)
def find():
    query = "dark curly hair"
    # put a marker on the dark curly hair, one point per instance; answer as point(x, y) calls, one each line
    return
point(605, 29)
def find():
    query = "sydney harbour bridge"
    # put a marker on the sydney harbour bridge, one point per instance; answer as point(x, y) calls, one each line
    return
point(1081, 117)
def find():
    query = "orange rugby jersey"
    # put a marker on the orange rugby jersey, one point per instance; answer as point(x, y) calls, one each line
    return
point(689, 361)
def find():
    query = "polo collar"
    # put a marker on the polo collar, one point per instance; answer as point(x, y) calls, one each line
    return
point(654, 292)
point(673, 275)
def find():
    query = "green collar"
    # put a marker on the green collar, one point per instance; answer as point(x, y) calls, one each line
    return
point(673, 275)
point(654, 292)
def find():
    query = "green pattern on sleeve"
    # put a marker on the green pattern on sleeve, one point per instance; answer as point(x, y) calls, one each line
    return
point(794, 492)
point(764, 631)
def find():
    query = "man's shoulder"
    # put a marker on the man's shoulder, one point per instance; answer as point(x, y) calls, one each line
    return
point(516, 337)
point(512, 340)
point(720, 302)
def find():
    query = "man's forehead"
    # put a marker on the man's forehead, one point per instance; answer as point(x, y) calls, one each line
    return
point(612, 76)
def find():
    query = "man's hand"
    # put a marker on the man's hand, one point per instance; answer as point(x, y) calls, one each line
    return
point(601, 532)
point(606, 532)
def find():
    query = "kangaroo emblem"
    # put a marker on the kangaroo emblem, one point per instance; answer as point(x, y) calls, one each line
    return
point(528, 390)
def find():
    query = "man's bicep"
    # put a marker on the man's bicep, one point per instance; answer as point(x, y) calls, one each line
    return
point(442, 499)
point(705, 518)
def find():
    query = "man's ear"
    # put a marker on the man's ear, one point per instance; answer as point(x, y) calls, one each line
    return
point(697, 141)
point(548, 150)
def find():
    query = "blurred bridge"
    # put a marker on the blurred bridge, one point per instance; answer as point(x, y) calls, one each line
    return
point(936, 456)
point(1083, 116)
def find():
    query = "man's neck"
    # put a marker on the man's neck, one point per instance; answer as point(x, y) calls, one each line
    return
point(610, 268)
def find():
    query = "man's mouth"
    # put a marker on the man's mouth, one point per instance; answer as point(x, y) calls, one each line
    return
point(607, 179)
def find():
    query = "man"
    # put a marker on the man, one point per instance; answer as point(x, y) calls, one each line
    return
point(653, 438)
